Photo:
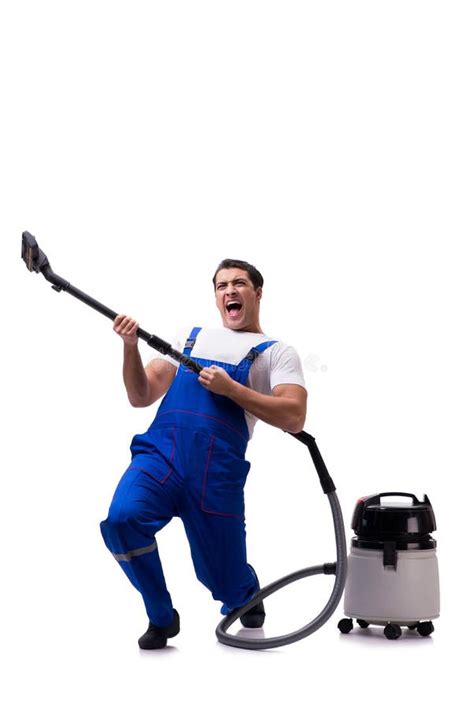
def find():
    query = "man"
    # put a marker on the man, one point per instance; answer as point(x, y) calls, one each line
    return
point(191, 461)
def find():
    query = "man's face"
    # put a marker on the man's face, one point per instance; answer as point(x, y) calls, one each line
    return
point(233, 285)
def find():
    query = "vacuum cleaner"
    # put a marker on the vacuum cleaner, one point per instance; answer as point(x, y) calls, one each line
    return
point(37, 262)
point(392, 577)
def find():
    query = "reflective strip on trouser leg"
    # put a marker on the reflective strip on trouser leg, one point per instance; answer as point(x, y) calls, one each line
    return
point(138, 510)
point(135, 552)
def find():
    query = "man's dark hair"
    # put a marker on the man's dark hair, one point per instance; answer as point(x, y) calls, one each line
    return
point(254, 275)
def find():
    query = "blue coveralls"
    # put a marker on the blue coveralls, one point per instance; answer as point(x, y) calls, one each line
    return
point(189, 464)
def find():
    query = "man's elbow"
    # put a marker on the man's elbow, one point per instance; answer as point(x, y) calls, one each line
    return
point(139, 403)
point(296, 424)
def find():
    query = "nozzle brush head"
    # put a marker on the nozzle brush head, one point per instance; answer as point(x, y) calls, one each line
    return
point(31, 254)
point(29, 251)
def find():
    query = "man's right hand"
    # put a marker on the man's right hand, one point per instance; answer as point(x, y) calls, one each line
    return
point(127, 329)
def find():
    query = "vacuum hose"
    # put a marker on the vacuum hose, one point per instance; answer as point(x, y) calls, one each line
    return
point(37, 261)
point(340, 570)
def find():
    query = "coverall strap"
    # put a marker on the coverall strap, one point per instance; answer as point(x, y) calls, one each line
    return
point(253, 353)
point(243, 368)
point(190, 342)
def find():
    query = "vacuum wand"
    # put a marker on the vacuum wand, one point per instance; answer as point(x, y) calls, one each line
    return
point(36, 260)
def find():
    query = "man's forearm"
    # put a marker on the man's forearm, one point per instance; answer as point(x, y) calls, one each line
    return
point(280, 411)
point(134, 376)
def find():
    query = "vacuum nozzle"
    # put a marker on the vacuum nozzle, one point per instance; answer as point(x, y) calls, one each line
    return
point(31, 254)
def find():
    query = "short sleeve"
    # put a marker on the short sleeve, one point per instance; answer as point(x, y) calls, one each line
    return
point(286, 367)
point(177, 343)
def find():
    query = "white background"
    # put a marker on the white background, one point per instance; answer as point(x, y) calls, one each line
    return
point(328, 143)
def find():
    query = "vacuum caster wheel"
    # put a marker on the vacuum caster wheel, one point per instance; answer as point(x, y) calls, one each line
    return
point(392, 631)
point(425, 629)
point(345, 625)
point(362, 623)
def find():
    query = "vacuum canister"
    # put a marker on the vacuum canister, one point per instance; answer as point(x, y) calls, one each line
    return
point(392, 575)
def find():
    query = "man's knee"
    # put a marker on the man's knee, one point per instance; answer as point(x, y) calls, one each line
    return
point(120, 526)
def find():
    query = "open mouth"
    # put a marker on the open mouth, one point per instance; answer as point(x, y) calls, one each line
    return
point(233, 308)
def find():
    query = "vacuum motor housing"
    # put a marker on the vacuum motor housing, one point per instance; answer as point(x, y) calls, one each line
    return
point(392, 574)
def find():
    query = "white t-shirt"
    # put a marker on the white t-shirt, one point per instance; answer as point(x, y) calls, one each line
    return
point(278, 364)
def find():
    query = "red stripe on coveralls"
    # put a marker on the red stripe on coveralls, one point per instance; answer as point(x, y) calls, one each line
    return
point(184, 411)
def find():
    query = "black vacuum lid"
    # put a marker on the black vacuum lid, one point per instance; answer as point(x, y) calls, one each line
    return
point(374, 519)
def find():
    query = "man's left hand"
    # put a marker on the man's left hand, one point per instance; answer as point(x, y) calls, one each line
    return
point(217, 380)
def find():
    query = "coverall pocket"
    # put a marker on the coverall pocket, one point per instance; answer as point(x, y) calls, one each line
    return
point(223, 482)
point(154, 453)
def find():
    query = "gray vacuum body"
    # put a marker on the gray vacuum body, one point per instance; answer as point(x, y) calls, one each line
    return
point(392, 575)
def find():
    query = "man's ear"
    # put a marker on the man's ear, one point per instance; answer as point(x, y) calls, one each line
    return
point(259, 293)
